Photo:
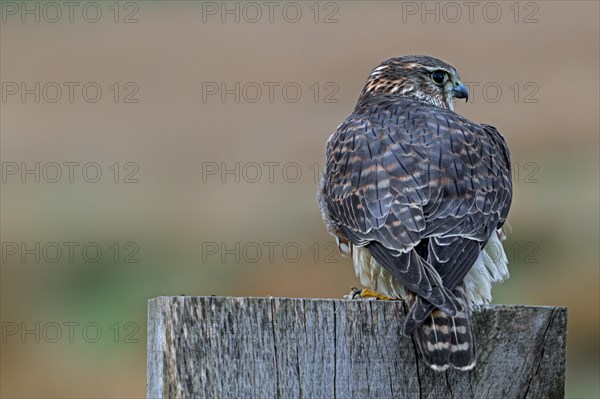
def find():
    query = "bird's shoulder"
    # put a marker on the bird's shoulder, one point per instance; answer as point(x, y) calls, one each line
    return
point(407, 113)
point(383, 118)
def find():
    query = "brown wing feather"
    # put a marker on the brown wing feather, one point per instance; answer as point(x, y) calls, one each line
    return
point(401, 174)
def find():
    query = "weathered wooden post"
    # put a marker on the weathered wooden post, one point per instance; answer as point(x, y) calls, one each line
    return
point(221, 347)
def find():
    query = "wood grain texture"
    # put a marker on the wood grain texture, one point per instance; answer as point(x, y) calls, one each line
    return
point(226, 347)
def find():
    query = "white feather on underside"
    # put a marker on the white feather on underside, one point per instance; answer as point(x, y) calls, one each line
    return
point(490, 267)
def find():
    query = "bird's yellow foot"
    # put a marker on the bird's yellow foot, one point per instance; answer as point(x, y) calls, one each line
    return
point(366, 293)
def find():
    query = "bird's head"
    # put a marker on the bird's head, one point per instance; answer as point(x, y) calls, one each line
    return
point(417, 76)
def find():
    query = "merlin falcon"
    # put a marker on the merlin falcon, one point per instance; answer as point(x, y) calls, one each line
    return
point(418, 195)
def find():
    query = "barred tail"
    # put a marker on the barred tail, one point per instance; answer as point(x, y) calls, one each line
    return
point(445, 341)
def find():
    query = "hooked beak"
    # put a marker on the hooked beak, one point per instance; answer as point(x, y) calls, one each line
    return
point(460, 90)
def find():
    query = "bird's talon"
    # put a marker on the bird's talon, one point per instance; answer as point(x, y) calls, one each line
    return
point(357, 293)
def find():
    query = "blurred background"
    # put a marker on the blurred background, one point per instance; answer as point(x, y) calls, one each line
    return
point(154, 148)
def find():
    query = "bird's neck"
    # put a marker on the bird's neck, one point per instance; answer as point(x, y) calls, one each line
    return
point(377, 88)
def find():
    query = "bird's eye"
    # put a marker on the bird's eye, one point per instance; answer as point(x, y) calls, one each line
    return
point(439, 77)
